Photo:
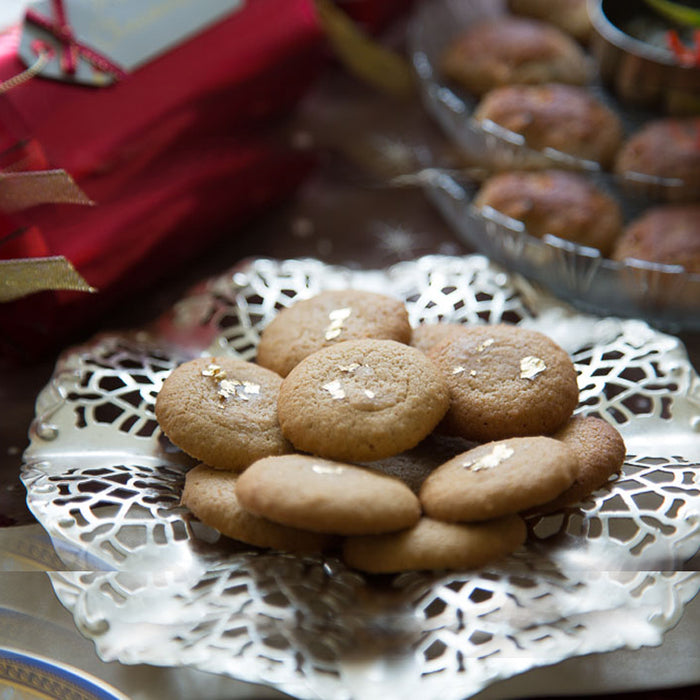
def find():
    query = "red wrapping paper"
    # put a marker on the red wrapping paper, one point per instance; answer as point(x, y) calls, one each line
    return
point(251, 66)
point(173, 155)
point(150, 228)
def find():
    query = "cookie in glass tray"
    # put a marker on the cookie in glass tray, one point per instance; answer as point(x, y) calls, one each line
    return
point(565, 119)
point(504, 50)
point(559, 203)
point(667, 234)
point(571, 16)
point(661, 160)
point(497, 136)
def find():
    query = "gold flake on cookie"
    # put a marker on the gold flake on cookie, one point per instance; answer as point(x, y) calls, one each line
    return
point(460, 369)
point(500, 453)
point(214, 370)
point(337, 318)
point(230, 388)
point(488, 342)
point(335, 389)
point(531, 366)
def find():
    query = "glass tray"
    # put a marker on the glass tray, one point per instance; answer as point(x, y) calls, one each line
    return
point(149, 584)
point(665, 295)
point(436, 23)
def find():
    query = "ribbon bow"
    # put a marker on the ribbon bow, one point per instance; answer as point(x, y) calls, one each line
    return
point(71, 49)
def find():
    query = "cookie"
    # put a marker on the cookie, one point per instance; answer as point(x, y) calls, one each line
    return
point(508, 50)
point(567, 118)
point(600, 453)
point(663, 151)
point(434, 545)
point(505, 381)
point(499, 478)
point(571, 16)
point(210, 494)
point(427, 335)
point(222, 411)
point(362, 400)
point(325, 496)
point(555, 202)
point(668, 234)
point(327, 319)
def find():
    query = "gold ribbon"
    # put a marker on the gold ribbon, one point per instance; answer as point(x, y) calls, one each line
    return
point(25, 276)
point(21, 190)
point(362, 56)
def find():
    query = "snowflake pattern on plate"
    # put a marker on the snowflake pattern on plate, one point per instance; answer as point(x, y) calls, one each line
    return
point(149, 584)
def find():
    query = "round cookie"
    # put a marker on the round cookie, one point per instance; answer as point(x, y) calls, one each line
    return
point(566, 118)
point(509, 50)
point(222, 411)
point(667, 149)
point(556, 202)
point(498, 478)
point(600, 453)
point(505, 381)
point(427, 335)
point(571, 16)
point(362, 400)
point(327, 319)
point(324, 496)
point(667, 234)
point(434, 545)
point(210, 494)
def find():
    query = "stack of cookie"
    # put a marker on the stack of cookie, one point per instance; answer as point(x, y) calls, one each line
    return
point(303, 449)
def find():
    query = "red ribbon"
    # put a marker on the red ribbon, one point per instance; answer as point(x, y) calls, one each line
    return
point(71, 48)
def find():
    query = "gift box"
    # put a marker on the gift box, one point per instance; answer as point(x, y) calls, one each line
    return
point(156, 125)
point(160, 122)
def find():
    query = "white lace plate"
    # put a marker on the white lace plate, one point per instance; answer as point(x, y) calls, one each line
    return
point(149, 585)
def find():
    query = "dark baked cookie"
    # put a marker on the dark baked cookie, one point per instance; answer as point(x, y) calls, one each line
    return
point(325, 496)
point(571, 16)
point(505, 381)
point(668, 149)
point(498, 478)
point(667, 234)
point(362, 400)
point(222, 411)
point(435, 545)
point(556, 202)
point(210, 494)
point(567, 118)
point(327, 319)
point(509, 50)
